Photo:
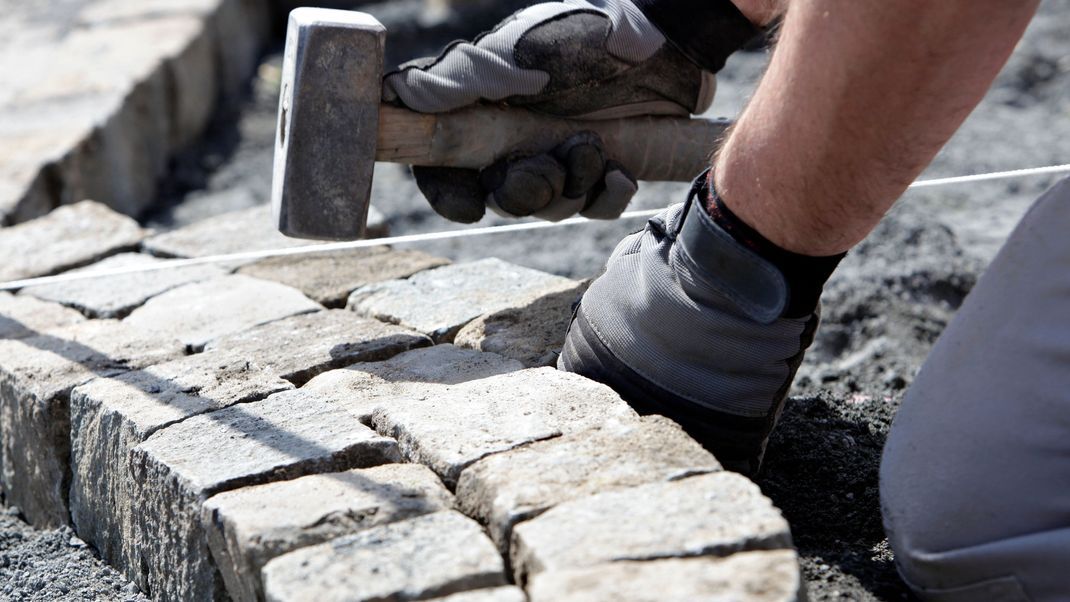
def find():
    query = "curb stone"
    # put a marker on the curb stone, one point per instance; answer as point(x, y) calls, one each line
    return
point(69, 237)
point(431, 555)
point(707, 515)
point(250, 526)
point(461, 424)
point(177, 468)
point(22, 317)
point(117, 296)
point(300, 347)
point(439, 302)
point(200, 312)
point(111, 416)
point(764, 576)
point(329, 278)
point(37, 375)
point(504, 489)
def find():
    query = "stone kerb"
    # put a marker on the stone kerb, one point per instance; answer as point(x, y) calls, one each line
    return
point(37, 375)
point(95, 110)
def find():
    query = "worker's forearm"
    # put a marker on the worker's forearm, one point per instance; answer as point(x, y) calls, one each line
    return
point(858, 98)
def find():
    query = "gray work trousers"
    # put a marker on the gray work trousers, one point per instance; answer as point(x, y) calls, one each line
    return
point(975, 480)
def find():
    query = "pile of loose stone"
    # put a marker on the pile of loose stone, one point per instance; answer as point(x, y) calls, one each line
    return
point(373, 424)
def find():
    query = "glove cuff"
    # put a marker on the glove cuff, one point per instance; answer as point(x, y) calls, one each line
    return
point(705, 31)
point(804, 275)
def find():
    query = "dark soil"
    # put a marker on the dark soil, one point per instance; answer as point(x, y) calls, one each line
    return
point(55, 565)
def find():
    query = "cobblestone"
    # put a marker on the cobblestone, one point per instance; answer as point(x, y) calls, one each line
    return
point(302, 346)
point(441, 301)
point(66, 238)
point(363, 388)
point(505, 489)
point(200, 312)
point(117, 296)
point(764, 576)
point(22, 317)
point(175, 470)
point(451, 428)
point(533, 334)
point(708, 515)
point(109, 417)
point(431, 555)
point(37, 375)
point(248, 527)
point(329, 278)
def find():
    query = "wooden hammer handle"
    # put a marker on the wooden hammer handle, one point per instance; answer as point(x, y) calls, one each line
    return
point(652, 148)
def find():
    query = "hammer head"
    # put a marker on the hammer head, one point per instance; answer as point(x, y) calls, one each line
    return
point(327, 125)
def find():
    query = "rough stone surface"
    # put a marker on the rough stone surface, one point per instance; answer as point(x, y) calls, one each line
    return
point(363, 388)
point(175, 470)
point(22, 317)
point(453, 427)
point(302, 346)
point(532, 334)
point(69, 237)
point(431, 555)
point(440, 301)
point(248, 527)
point(329, 278)
point(707, 515)
point(98, 93)
point(506, 593)
point(505, 489)
point(238, 231)
point(36, 377)
point(116, 296)
point(197, 313)
point(109, 417)
point(763, 576)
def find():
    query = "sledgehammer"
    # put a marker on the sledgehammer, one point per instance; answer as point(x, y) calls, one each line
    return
point(332, 129)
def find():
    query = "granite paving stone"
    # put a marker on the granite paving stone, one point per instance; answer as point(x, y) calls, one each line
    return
point(287, 435)
point(22, 317)
point(441, 301)
point(507, 488)
point(109, 417)
point(329, 278)
point(760, 576)
point(250, 229)
point(431, 555)
point(69, 237)
point(116, 296)
point(300, 347)
point(449, 429)
point(707, 515)
point(199, 312)
point(250, 526)
point(37, 375)
point(505, 593)
point(533, 333)
point(363, 388)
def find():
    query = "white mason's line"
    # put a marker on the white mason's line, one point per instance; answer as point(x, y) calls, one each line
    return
point(171, 264)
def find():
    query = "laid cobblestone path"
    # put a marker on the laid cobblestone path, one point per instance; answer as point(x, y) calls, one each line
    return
point(232, 436)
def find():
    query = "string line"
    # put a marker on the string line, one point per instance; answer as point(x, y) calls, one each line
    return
point(171, 264)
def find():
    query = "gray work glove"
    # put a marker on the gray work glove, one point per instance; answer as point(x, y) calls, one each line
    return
point(687, 323)
point(592, 59)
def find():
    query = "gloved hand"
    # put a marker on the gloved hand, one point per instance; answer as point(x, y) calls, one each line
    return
point(593, 59)
point(689, 323)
